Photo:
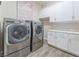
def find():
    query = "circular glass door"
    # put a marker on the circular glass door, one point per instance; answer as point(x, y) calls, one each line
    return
point(19, 32)
point(38, 29)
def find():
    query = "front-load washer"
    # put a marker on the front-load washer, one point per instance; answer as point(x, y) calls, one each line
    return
point(37, 35)
point(16, 38)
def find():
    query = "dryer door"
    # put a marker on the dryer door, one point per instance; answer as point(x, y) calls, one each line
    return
point(17, 33)
point(39, 32)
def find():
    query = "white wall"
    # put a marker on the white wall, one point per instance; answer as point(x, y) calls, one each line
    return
point(9, 9)
point(36, 10)
point(28, 10)
point(1, 15)
point(48, 11)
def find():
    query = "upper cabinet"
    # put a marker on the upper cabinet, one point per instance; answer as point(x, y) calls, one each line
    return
point(64, 11)
point(48, 12)
point(67, 11)
point(75, 6)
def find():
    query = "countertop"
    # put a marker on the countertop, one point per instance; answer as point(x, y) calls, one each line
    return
point(71, 32)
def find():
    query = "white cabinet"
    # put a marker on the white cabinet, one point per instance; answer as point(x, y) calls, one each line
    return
point(62, 40)
point(58, 39)
point(76, 10)
point(74, 43)
point(48, 12)
point(66, 41)
point(64, 11)
point(68, 10)
point(44, 13)
point(51, 38)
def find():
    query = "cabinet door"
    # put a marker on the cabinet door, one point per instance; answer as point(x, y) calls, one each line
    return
point(74, 44)
point(62, 40)
point(48, 12)
point(44, 13)
point(64, 11)
point(51, 38)
point(76, 10)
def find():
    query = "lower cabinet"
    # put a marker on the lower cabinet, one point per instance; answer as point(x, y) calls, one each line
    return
point(74, 44)
point(62, 40)
point(65, 41)
point(51, 38)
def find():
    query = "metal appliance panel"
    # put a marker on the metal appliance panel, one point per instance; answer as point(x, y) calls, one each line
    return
point(12, 48)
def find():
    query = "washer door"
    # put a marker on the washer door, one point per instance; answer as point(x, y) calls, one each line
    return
point(17, 33)
point(39, 31)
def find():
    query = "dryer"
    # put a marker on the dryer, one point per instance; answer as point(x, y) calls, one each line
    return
point(16, 37)
point(37, 35)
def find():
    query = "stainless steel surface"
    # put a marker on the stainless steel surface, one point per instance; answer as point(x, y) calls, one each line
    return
point(37, 45)
point(37, 37)
point(14, 49)
point(22, 53)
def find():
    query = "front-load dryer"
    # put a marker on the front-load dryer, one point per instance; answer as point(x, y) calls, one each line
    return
point(37, 35)
point(16, 38)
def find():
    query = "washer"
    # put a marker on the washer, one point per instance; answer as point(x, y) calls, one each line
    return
point(37, 35)
point(16, 38)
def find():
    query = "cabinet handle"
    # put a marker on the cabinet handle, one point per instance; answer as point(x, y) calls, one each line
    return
point(55, 19)
point(73, 17)
point(70, 40)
